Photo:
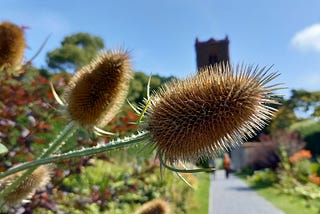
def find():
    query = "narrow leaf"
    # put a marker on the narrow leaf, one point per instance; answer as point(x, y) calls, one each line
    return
point(3, 149)
point(56, 96)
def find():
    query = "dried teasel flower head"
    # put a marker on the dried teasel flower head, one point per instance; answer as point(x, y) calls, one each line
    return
point(96, 92)
point(12, 44)
point(156, 206)
point(36, 181)
point(209, 113)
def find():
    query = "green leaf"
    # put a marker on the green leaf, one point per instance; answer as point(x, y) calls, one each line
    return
point(3, 149)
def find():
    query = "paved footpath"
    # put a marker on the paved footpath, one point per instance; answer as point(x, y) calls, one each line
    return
point(233, 196)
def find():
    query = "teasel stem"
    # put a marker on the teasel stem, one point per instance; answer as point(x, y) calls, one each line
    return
point(40, 49)
point(141, 137)
point(64, 135)
point(68, 131)
point(163, 163)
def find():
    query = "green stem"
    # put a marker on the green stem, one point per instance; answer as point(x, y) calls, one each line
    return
point(67, 132)
point(163, 163)
point(122, 143)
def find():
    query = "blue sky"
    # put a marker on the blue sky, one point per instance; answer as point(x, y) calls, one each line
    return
point(161, 34)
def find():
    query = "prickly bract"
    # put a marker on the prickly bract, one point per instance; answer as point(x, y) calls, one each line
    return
point(36, 181)
point(96, 92)
point(12, 45)
point(215, 110)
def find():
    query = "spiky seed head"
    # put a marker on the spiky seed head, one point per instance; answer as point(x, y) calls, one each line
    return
point(96, 92)
point(156, 206)
point(210, 112)
point(36, 181)
point(12, 44)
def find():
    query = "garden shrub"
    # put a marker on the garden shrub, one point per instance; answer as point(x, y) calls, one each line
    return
point(302, 170)
point(123, 187)
point(263, 178)
point(310, 131)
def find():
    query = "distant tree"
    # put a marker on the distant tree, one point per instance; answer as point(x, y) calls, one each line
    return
point(76, 51)
point(138, 86)
point(305, 101)
point(284, 118)
point(316, 112)
point(300, 101)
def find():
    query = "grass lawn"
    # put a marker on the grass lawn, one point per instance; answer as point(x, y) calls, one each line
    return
point(202, 194)
point(287, 203)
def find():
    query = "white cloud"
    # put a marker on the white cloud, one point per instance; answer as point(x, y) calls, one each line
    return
point(307, 39)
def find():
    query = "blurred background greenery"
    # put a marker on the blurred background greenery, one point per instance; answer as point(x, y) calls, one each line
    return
point(115, 182)
point(121, 181)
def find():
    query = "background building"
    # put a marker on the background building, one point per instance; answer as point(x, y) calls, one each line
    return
point(211, 52)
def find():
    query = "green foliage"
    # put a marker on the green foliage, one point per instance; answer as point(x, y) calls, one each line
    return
point(246, 171)
point(29, 123)
point(310, 131)
point(300, 101)
point(316, 112)
point(200, 194)
point(3, 149)
point(263, 178)
point(315, 168)
point(290, 182)
point(304, 100)
point(204, 163)
point(76, 51)
point(138, 86)
point(292, 204)
point(293, 179)
point(285, 117)
point(115, 187)
point(24, 114)
point(302, 170)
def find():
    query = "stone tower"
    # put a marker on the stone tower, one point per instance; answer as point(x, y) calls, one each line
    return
point(212, 52)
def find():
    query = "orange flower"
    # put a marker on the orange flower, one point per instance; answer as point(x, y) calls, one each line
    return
point(314, 179)
point(302, 154)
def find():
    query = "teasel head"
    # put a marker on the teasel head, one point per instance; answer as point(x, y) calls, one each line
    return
point(156, 206)
point(97, 91)
point(209, 113)
point(12, 45)
point(36, 181)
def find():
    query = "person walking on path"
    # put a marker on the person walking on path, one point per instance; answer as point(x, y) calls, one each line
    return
point(226, 164)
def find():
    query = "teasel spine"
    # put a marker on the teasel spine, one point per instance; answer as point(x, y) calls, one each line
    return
point(37, 180)
point(97, 91)
point(155, 206)
point(12, 45)
point(211, 112)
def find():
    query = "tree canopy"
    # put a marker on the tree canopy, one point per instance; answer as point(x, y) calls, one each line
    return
point(306, 101)
point(138, 86)
point(76, 51)
point(300, 102)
